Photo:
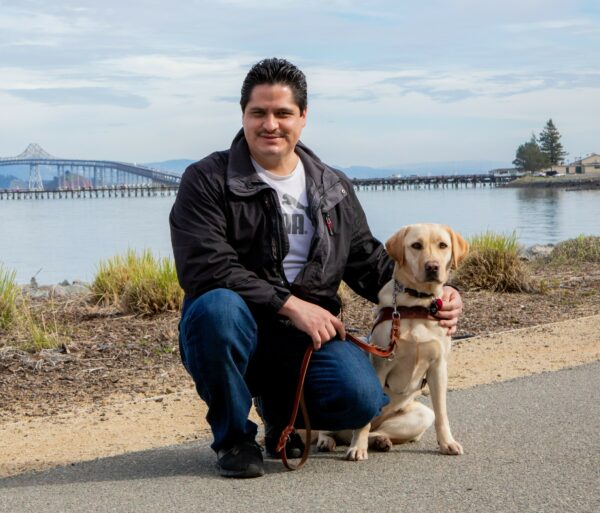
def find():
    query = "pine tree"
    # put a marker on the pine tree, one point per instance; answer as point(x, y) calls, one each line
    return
point(550, 144)
point(530, 157)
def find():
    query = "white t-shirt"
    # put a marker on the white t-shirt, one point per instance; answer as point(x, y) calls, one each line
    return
point(291, 191)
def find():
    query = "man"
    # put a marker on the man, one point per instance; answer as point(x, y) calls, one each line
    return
point(262, 235)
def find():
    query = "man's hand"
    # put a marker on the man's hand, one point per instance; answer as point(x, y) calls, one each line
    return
point(451, 309)
point(319, 324)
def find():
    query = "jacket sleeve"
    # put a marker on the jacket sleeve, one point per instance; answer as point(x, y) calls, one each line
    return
point(204, 258)
point(369, 267)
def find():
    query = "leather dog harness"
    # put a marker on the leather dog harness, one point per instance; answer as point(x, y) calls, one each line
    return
point(388, 313)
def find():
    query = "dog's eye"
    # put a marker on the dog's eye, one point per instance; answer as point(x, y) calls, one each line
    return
point(417, 245)
point(443, 245)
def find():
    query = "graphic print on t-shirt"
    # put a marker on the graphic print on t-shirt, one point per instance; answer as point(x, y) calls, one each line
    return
point(294, 223)
point(293, 200)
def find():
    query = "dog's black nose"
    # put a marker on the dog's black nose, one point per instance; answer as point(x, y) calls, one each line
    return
point(432, 267)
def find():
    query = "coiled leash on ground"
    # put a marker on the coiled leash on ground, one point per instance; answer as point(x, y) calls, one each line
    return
point(394, 314)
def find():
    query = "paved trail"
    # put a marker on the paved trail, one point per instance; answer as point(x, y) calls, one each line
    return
point(532, 445)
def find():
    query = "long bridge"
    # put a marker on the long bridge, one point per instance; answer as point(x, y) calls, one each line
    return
point(83, 173)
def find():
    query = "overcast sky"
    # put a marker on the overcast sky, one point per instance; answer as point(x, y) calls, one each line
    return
point(390, 82)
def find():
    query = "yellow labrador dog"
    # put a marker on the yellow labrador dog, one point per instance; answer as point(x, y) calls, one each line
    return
point(424, 255)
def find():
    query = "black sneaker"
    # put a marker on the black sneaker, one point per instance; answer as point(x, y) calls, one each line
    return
point(293, 449)
point(242, 460)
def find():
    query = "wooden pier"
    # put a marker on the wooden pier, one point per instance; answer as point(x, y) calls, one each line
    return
point(141, 191)
point(121, 191)
point(430, 182)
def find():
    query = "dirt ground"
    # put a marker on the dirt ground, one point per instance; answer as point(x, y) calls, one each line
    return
point(116, 384)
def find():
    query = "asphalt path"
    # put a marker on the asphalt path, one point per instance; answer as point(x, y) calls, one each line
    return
point(531, 445)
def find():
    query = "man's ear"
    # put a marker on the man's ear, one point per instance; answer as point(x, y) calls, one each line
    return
point(395, 245)
point(460, 247)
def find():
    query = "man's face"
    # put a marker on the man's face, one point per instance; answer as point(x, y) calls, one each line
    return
point(272, 124)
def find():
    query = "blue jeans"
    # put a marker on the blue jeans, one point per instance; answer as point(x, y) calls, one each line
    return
point(233, 355)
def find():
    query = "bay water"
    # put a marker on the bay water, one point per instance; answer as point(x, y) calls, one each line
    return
point(55, 240)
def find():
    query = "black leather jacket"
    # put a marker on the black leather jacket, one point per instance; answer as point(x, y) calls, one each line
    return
point(228, 232)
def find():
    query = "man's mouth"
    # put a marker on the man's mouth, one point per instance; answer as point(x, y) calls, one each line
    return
point(270, 136)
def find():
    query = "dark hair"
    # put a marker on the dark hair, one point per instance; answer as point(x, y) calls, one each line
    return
point(275, 71)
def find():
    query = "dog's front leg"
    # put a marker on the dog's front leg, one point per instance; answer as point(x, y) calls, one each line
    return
point(359, 446)
point(437, 377)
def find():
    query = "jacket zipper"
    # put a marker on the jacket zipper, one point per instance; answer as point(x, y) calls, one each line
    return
point(328, 223)
point(276, 244)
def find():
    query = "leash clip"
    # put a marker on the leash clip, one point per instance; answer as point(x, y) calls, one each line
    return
point(436, 306)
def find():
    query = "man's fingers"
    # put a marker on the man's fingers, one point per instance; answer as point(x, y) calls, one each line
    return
point(449, 314)
point(339, 328)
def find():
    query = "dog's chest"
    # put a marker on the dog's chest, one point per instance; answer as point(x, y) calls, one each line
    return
point(418, 347)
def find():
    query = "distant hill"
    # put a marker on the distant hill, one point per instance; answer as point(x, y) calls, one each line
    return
point(175, 166)
point(459, 167)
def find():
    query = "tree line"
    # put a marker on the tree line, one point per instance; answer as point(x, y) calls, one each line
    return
point(542, 151)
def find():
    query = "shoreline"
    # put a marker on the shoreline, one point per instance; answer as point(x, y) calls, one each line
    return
point(576, 182)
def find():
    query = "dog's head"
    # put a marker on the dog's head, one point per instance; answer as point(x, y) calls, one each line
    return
point(425, 253)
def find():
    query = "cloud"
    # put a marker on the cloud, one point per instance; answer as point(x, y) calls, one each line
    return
point(549, 25)
point(81, 96)
point(464, 84)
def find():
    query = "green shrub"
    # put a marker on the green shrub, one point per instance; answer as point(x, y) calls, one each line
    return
point(493, 264)
point(580, 250)
point(138, 283)
point(9, 293)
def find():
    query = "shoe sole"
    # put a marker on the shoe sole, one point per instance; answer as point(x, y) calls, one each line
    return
point(251, 471)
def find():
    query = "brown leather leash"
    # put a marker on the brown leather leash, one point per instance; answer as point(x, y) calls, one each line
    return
point(385, 314)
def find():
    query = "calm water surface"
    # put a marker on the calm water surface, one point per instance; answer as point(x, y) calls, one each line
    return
point(65, 239)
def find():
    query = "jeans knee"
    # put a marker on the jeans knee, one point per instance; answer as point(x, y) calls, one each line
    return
point(217, 326)
point(216, 313)
point(360, 402)
point(343, 390)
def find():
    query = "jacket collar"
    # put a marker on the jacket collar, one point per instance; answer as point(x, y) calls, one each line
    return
point(243, 180)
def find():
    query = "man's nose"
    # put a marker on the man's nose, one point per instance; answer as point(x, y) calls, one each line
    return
point(270, 122)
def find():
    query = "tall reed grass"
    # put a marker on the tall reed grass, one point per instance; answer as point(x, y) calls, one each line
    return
point(26, 330)
point(9, 293)
point(139, 283)
point(494, 264)
point(582, 249)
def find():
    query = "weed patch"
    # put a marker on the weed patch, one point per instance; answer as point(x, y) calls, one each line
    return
point(580, 250)
point(9, 293)
point(494, 264)
point(138, 283)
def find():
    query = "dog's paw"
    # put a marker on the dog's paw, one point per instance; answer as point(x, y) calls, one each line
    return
point(382, 443)
point(452, 448)
point(325, 443)
point(357, 454)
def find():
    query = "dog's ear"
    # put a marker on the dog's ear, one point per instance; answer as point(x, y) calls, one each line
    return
point(395, 245)
point(460, 247)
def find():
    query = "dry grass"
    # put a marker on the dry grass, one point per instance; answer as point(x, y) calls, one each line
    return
point(23, 328)
point(9, 292)
point(494, 264)
point(580, 250)
point(138, 283)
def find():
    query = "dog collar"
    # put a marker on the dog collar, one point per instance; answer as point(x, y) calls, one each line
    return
point(434, 307)
point(416, 293)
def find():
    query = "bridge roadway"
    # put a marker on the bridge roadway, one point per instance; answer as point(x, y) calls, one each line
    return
point(97, 167)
